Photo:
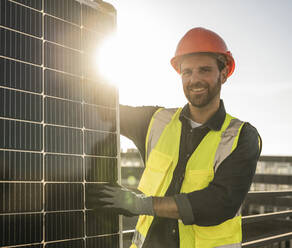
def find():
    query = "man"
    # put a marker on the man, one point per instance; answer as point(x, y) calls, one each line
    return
point(200, 161)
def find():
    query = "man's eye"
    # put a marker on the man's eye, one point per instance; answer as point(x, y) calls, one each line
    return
point(186, 73)
point(205, 69)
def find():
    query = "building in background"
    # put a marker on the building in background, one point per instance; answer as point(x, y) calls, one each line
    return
point(272, 174)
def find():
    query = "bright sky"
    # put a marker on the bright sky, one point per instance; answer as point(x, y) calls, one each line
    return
point(259, 35)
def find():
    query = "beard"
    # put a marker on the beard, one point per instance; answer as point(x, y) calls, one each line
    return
point(201, 100)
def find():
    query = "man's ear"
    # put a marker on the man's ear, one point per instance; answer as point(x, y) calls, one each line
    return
point(223, 74)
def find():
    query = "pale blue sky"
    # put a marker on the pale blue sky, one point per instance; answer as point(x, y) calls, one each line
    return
point(259, 35)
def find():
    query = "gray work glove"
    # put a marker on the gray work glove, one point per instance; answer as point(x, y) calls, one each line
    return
point(118, 200)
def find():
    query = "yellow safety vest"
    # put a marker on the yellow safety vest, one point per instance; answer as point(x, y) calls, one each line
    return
point(162, 153)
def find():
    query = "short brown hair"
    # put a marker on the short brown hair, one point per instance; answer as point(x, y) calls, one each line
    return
point(221, 59)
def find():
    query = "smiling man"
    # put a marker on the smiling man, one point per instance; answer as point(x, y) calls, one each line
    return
point(200, 161)
point(202, 76)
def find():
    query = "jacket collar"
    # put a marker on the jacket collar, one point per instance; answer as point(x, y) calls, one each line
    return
point(214, 123)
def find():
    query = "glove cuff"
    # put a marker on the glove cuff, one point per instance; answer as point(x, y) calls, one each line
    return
point(146, 206)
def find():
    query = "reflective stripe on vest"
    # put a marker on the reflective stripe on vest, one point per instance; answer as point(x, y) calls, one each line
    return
point(225, 147)
point(138, 239)
point(226, 143)
point(238, 245)
point(160, 119)
point(167, 120)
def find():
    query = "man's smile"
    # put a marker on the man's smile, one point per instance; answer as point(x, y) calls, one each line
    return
point(198, 90)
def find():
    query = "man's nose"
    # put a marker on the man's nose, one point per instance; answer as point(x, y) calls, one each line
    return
point(195, 77)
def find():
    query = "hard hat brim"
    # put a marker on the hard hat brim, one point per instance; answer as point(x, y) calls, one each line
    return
point(231, 63)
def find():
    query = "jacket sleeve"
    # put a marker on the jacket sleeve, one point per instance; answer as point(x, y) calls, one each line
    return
point(222, 198)
point(134, 123)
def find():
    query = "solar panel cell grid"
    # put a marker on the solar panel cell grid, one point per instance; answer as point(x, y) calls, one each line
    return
point(18, 135)
point(21, 229)
point(21, 197)
point(64, 225)
point(25, 20)
point(20, 76)
point(63, 140)
point(98, 223)
point(96, 19)
point(100, 169)
point(93, 94)
point(63, 168)
point(63, 112)
point(62, 59)
point(65, 9)
point(64, 196)
point(100, 144)
point(90, 40)
point(19, 46)
point(78, 243)
point(58, 127)
point(99, 118)
point(62, 85)
point(62, 32)
point(37, 4)
point(20, 105)
point(21, 166)
point(28, 246)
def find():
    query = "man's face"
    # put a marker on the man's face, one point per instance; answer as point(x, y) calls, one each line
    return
point(201, 79)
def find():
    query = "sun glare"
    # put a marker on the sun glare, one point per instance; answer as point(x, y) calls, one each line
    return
point(107, 59)
point(138, 65)
point(119, 60)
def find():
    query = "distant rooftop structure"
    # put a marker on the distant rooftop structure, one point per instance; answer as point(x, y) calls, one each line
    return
point(131, 158)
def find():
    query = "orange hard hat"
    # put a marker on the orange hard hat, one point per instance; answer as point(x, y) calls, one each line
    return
point(199, 40)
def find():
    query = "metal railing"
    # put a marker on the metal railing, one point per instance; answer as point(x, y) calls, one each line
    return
point(274, 228)
point(269, 240)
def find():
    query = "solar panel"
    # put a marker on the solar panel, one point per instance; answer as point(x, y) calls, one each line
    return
point(58, 124)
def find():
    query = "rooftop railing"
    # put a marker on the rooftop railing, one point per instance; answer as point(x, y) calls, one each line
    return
point(267, 214)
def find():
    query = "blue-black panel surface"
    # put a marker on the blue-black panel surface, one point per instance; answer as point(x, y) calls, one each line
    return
point(58, 126)
point(22, 76)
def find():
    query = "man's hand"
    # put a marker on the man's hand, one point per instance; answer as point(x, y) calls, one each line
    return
point(118, 200)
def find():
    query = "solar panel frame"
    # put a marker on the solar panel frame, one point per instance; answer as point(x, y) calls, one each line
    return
point(58, 130)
